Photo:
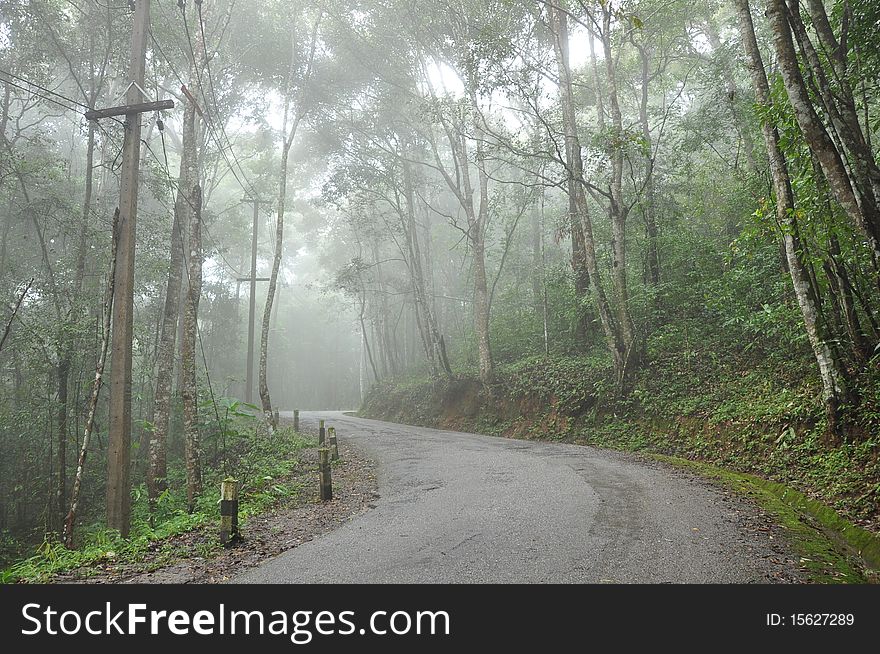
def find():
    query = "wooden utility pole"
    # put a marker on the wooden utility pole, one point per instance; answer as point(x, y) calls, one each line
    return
point(252, 306)
point(119, 447)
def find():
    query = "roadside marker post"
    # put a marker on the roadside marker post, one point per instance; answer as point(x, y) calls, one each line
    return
point(228, 511)
point(334, 444)
point(325, 475)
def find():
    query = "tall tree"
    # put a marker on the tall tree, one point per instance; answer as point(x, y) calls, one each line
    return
point(106, 311)
point(583, 248)
point(188, 178)
point(831, 369)
point(458, 119)
point(296, 107)
point(616, 319)
point(189, 352)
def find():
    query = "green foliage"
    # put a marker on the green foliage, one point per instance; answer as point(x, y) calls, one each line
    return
point(725, 371)
point(570, 385)
point(753, 299)
point(260, 472)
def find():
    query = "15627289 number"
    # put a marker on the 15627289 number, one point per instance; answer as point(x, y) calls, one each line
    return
point(822, 619)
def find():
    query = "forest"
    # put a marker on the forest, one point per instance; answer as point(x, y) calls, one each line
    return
point(641, 224)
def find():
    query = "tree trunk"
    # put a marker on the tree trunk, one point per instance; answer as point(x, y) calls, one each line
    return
point(831, 369)
point(387, 340)
point(481, 313)
point(544, 305)
point(625, 354)
point(63, 372)
point(597, 81)
point(577, 201)
point(190, 393)
point(652, 254)
point(536, 276)
point(265, 398)
point(187, 179)
point(4, 238)
point(427, 241)
point(67, 345)
point(424, 305)
point(838, 278)
point(476, 233)
point(867, 310)
point(82, 248)
point(365, 343)
point(844, 290)
point(287, 143)
point(477, 216)
point(578, 207)
point(106, 312)
point(742, 127)
point(862, 210)
point(839, 102)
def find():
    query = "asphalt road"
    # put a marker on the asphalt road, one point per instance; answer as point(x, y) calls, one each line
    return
point(464, 508)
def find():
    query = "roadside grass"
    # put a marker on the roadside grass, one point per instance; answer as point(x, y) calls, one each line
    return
point(261, 471)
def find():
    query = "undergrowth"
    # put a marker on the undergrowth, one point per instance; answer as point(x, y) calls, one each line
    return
point(260, 470)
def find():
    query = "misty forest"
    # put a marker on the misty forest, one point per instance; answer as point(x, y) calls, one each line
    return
point(645, 225)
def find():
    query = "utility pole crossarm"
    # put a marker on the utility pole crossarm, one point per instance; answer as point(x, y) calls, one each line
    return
point(125, 110)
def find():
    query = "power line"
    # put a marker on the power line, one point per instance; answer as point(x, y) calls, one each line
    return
point(176, 188)
point(245, 185)
point(47, 98)
point(44, 89)
point(43, 97)
point(57, 95)
point(217, 103)
point(172, 183)
point(231, 168)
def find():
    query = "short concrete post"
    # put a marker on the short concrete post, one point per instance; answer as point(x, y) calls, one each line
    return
point(277, 416)
point(326, 479)
point(321, 433)
point(296, 420)
point(334, 444)
point(228, 511)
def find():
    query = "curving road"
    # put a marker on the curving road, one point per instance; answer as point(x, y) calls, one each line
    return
point(464, 508)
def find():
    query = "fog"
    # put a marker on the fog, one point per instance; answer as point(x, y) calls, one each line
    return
point(445, 191)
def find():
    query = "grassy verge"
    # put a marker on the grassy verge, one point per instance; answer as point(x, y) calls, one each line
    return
point(262, 473)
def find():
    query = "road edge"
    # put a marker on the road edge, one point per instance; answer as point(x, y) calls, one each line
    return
point(830, 548)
